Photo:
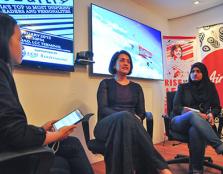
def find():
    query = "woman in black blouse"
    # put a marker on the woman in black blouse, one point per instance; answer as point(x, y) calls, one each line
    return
point(199, 93)
point(128, 147)
point(15, 132)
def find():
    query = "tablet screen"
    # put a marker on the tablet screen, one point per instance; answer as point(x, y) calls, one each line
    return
point(72, 118)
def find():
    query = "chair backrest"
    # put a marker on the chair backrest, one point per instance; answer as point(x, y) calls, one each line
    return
point(172, 135)
point(169, 97)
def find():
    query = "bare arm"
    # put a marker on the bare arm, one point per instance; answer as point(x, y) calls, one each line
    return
point(58, 135)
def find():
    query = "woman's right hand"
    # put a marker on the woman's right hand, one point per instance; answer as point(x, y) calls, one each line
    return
point(66, 131)
point(62, 133)
point(209, 117)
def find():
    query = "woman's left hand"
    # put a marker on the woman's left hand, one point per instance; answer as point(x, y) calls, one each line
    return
point(48, 125)
point(211, 119)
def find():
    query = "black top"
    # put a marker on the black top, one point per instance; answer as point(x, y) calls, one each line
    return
point(185, 97)
point(14, 130)
point(113, 97)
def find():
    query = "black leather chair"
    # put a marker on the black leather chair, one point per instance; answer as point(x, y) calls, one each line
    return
point(28, 161)
point(97, 147)
point(208, 162)
point(220, 125)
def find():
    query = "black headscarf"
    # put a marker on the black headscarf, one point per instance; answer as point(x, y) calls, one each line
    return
point(200, 89)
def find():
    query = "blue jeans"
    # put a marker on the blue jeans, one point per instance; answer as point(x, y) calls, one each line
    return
point(200, 133)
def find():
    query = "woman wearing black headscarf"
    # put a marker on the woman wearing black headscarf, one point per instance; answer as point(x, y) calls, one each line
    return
point(199, 93)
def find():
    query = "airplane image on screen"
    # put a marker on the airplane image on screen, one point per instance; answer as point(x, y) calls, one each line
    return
point(145, 54)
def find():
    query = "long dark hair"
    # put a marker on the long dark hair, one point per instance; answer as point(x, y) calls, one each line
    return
point(7, 25)
point(113, 61)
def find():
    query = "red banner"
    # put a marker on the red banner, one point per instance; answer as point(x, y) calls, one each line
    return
point(179, 58)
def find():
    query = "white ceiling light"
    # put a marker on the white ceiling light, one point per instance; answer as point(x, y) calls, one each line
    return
point(196, 2)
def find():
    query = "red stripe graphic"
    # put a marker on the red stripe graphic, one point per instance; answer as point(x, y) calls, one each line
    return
point(188, 48)
point(187, 56)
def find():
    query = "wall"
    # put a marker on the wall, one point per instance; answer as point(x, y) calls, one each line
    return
point(48, 95)
point(188, 25)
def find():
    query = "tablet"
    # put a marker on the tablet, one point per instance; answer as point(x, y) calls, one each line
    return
point(186, 109)
point(73, 117)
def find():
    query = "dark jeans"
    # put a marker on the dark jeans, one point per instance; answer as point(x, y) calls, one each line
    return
point(128, 146)
point(200, 133)
point(71, 158)
point(60, 166)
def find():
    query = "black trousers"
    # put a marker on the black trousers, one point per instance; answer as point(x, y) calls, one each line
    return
point(128, 146)
point(71, 158)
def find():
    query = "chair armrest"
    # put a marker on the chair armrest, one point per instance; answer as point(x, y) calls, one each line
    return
point(85, 125)
point(219, 120)
point(4, 156)
point(149, 123)
point(149, 115)
point(33, 160)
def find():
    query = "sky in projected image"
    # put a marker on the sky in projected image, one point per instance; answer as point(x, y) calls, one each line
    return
point(112, 32)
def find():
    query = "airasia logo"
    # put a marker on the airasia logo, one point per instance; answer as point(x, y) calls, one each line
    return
point(214, 63)
point(216, 77)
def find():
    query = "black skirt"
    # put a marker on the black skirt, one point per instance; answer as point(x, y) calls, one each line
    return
point(128, 146)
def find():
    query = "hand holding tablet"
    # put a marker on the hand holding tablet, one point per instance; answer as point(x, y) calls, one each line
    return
point(72, 118)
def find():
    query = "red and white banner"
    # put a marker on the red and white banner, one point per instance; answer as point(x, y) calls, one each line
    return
point(211, 44)
point(180, 52)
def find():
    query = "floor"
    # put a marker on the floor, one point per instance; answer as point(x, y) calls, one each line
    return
point(168, 150)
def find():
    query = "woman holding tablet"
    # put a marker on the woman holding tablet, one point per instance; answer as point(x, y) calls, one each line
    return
point(15, 132)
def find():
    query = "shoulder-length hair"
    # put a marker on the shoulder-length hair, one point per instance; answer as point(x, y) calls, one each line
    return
point(174, 47)
point(7, 25)
point(114, 58)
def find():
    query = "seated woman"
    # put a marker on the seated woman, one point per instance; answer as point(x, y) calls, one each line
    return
point(15, 132)
point(128, 146)
point(199, 93)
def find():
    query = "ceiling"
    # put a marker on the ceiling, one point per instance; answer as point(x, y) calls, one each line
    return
point(178, 8)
